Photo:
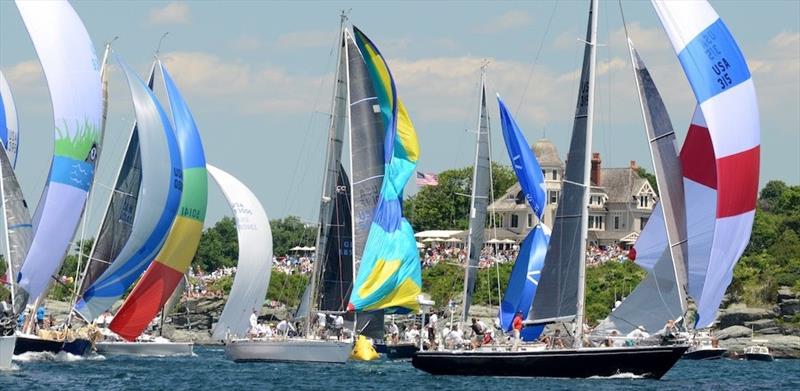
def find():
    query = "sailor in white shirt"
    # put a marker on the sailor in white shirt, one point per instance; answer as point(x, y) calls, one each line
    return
point(638, 333)
point(454, 339)
point(412, 334)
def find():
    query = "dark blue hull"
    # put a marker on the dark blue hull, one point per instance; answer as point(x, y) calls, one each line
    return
point(78, 347)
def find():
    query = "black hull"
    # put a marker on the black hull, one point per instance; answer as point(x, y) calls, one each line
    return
point(77, 347)
point(705, 354)
point(758, 357)
point(401, 351)
point(647, 361)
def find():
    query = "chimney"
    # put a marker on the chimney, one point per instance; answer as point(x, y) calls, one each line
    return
point(633, 165)
point(595, 174)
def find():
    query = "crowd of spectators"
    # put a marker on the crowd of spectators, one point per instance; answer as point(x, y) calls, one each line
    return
point(598, 255)
point(441, 252)
point(293, 264)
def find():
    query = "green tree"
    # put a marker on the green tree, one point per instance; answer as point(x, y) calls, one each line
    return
point(651, 179)
point(289, 232)
point(219, 246)
point(446, 206)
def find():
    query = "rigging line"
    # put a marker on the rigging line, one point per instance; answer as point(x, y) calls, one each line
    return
point(536, 59)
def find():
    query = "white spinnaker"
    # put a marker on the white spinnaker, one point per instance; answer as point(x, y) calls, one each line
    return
point(11, 134)
point(720, 79)
point(255, 256)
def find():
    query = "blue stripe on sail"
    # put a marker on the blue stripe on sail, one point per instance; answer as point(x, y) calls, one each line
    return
point(20, 226)
point(71, 172)
point(523, 161)
point(713, 62)
point(181, 114)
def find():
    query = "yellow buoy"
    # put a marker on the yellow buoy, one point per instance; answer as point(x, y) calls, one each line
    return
point(363, 350)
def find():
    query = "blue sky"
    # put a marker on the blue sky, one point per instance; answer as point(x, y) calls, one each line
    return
point(258, 75)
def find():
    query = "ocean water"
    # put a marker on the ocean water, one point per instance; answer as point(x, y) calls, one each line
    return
point(209, 369)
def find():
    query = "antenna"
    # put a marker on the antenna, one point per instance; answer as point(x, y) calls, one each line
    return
point(160, 40)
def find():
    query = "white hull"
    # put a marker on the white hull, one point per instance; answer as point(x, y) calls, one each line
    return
point(7, 351)
point(292, 349)
point(160, 349)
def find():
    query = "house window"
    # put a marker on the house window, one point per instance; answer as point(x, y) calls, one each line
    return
point(596, 222)
point(616, 222)
point(553, 196)
point(644, 202)
point(643, 223)
point(530, 220)
point(555, 175)
point(514, 221)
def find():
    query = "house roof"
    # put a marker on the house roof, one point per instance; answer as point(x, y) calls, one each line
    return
point(546, 153)
point(620, 184)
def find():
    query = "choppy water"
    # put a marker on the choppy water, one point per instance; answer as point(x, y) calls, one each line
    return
point(209, 370)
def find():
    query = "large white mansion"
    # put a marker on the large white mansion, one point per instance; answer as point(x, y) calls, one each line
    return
point(620, 200)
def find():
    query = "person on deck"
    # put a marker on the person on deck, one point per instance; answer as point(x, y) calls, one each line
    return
point(478, 331)
point(321, 324)
point(516, 326)
point(253, 331)
point(338, 326)
point(454, 339)
point(412, 335)
point(40, 312)
point(637, 334)
point(394, 331)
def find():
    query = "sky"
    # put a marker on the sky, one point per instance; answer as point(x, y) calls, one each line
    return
point(258, 78)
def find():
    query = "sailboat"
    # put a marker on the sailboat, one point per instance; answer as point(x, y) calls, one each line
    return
point(131, 236)
point(254, 266)
point(560, 292)
point(350, 204)
point(16, 218)
point(70, 64)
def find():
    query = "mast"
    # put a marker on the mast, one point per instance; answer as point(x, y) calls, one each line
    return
point(579, 314)
point(326, 195)
point(470, 268)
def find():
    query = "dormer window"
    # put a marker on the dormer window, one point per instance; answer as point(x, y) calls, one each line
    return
point(644, 202)
point(555, 175)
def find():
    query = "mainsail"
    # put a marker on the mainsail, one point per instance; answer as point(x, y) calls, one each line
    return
point(560, 290)
point(481, 191)
point(389, 276)
point(17, 225)
point(9, 127)
point(117, 222)
point(526, 273)
point(720, 79)
point(142, 208)
point(71, 67)
point(167, 269)
point(336, 278)
point(254, 266)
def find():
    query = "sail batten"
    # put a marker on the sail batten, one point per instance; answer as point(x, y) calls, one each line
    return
point(254, 265)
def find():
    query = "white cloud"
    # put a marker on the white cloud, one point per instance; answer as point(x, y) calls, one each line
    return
point(788, 40)
point(207, 74)
point(24, 73)
point(173, 13)
point(507, 21)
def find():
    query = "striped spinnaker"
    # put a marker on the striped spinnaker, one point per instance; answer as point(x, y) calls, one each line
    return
point(720, 79)
point(173, 261)
point(389, 276)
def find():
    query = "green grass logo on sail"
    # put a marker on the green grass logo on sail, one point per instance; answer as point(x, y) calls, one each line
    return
point(82, 146)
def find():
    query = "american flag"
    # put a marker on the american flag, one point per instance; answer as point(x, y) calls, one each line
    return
point(426, 179)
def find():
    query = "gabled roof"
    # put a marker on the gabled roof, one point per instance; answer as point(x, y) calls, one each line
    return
point(621, 184)
point(546, 153)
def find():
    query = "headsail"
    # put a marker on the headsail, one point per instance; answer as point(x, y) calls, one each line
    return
point(560, 290)
point(720, 79)
point(167, 269)
point(9, 127)
point(526, 273)
point(255, 256)
point(142, 208)
point(481, 192)
point(71, 67)
point(17, 225)
point(389, 276)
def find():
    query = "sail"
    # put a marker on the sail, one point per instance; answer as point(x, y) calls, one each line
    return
point(481, 191)
point(254, 266)
point(162, 276)
point(655, 300)
point(366, 147)
point(389, 276)
point(559, 283)
point(9, 127)
point(117, 222)
point(720, 79)
point(667, 167)
point(336, 279)
point(156, 203)
point(17, 225)
point(70, 65)
point(526, 273)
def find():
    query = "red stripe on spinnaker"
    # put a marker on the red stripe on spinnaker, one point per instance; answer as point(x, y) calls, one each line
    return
point(738, 182)
point(697, 157)
point(148, 297)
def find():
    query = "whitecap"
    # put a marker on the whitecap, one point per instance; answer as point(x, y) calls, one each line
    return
point(624, 375)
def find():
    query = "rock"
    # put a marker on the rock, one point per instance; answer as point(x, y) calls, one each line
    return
point(771, 330)
point(736, 331)
point(786, 293)
point(738, 314)
point(789, 306)
point(758, 325)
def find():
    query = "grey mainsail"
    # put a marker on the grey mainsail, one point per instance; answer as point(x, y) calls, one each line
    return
point(668, 169)
point(481, 188)
point(560, 291)
point(18, 228)
point(120, 211)
point(337, 267)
